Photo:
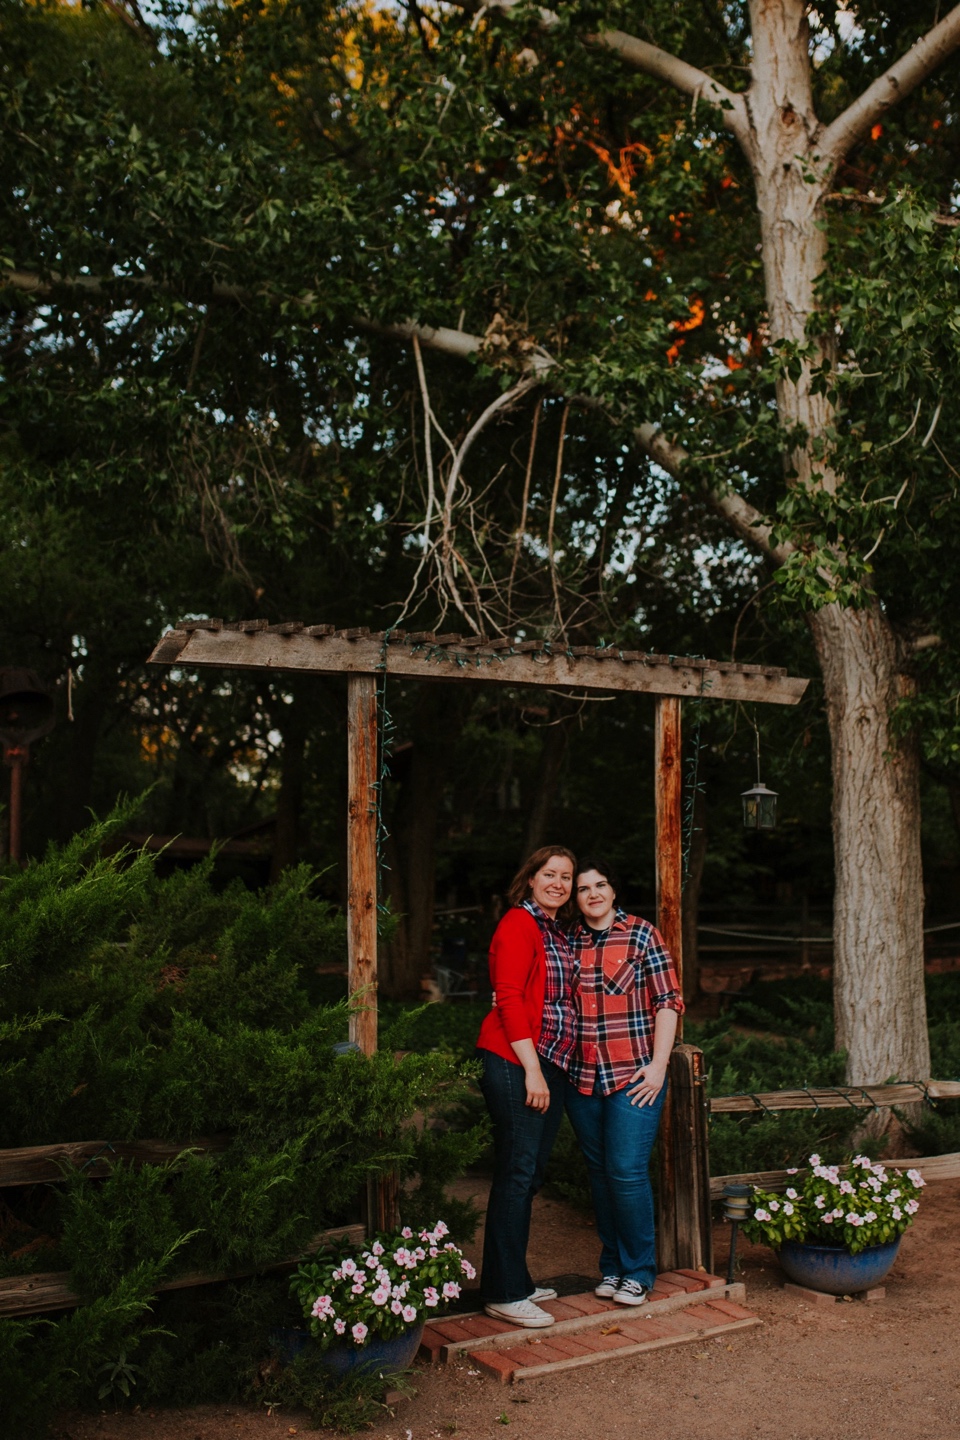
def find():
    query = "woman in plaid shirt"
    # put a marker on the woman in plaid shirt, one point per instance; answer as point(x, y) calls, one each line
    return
point(627, 1000)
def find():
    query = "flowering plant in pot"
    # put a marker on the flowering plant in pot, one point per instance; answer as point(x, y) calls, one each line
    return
point(832, 1214)
point(382, 1293)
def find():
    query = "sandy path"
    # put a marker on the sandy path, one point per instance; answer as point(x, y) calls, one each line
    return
point(853, 1372)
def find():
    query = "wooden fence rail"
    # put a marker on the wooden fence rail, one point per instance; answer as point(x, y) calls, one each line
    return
point(36, 1294)
point(45, 1164)
point(841, 1097)
point(931, 1167)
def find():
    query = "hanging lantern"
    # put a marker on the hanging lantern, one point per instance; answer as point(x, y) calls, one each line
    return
point(759, 808)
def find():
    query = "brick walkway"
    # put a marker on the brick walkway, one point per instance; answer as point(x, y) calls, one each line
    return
point(684, 1306)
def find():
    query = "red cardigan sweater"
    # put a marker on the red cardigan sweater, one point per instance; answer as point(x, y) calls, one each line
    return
point(518, 974)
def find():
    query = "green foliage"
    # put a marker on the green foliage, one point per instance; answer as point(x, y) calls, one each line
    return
point(856, 1205)
point(396, 1282)
point(135, 1007)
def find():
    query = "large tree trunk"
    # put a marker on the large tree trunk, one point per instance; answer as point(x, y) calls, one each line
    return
point(881, 1018)
point(878, 926)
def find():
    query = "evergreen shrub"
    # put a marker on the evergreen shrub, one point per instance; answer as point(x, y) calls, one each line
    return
point(135, 1007)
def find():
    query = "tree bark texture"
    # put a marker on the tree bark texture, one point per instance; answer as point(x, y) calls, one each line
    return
point(879, 1003)
point(878, 924)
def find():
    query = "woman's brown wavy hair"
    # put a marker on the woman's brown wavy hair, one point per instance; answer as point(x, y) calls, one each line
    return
point(520, 884)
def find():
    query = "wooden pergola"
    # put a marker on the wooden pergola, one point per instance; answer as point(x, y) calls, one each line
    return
point(366, 658)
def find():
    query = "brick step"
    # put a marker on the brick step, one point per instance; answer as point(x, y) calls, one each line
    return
point(623, 1335)
point(446, 1338)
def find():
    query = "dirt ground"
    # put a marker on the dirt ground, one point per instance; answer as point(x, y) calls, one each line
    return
point(851, 1372)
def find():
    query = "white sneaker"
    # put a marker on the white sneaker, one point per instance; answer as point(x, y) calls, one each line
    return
point(542, 1292)
point(631, 1292)
point(608, 1287)
point(521, 1312)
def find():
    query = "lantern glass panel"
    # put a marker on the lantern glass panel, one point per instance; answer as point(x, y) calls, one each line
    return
point(759, 808)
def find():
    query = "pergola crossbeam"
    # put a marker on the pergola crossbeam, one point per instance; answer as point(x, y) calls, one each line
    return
point(321, 650)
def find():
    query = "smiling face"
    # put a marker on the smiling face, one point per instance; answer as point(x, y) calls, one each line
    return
point(596, 899)
point(550, 887)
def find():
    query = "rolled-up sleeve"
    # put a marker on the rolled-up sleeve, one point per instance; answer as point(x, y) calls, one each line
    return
point(513, 952)
point(663, 984)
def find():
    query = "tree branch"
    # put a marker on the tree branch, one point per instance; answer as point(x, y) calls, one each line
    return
point(676, 72)
point(745, 519)
point(892, 86)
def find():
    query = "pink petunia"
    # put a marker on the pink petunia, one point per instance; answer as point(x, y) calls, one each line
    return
point(359, 1332)
point(409, 1314)
point(451, 1290)
point(377, 1248)
point(407, 1233)
point(380, 1296)
point(349, 1267)
point(340, 1326)
point(396, 1307)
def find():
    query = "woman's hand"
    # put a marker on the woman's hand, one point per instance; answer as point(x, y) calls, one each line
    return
point(647, 1084)
point(538, 1091)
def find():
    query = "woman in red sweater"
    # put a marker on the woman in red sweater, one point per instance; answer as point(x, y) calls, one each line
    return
point(525, 1046)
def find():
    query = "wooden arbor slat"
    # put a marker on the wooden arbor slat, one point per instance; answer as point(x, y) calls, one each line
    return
point(314, 649)
point(362, 656)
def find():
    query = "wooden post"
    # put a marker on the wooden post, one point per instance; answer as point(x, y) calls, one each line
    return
point(362, 857)
point(685, 1236)
point(668, 780)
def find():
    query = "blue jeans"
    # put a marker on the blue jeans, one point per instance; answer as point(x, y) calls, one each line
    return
point(616, 1139)
point(522, 1141)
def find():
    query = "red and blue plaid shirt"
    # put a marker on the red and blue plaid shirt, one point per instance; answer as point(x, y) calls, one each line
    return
point(621, 979)
point(558, 1034)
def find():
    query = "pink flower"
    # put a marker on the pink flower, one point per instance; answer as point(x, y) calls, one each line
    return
point(774, 1204)
point(381, 1295)
point(468, 1269)
point(359, 1332)
point(761, 1214)
point(441, 1229)
point(339, 1326)
point(407, 1233)
point(401, 1256)
point(349, 1267)
point(870, 1216)
point(396, 1307)
point(917, 1178)
point(912, 1206)
point(371, 1262)
point(451, 1290)
point(828, 1218)
point(322, 1307)
point(377, 1248)
point(845, 1187)
point(820, 1201)
point(787, 1208)
point(897, 1213)
point(434, 1252)
point(409, 1314)
point(357, 1288)
point(791, 1193)
point(814, 1159)
point(792, 1170)
point(430, 1296)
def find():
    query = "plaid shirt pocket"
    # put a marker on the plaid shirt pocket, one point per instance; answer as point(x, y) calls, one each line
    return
point(619, 976)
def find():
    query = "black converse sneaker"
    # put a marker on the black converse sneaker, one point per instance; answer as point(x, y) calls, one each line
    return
point(608, 1287)
point(631, 1292)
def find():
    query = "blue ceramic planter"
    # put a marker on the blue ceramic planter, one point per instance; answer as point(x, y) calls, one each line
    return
point(385, 1357)
point(832, 1269)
